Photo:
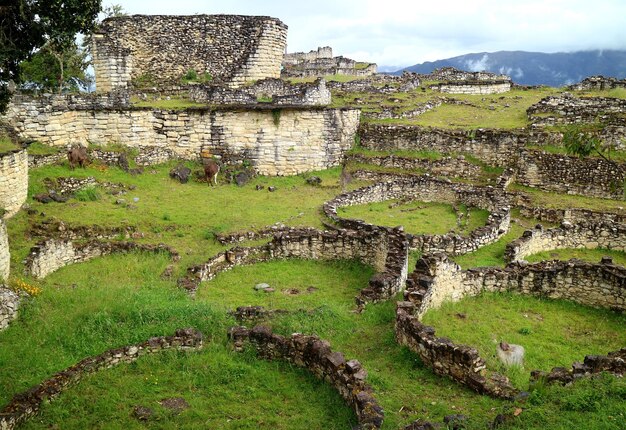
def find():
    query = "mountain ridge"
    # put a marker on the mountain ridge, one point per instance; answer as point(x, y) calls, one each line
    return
point(535, 68)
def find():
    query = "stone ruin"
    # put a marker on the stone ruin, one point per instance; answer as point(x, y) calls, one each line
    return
point(598, 83)
point(232, 49)
point(321, 63)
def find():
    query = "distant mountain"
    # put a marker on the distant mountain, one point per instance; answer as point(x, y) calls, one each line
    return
point(536, 68)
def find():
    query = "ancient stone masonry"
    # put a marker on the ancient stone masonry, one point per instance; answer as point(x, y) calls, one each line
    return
point(594, 177)
point(321, 63)
point(5, 256)
point(383, 248)
point(429, 189)
point(267, 91)
point(447, 166)
point(232, 49)
point(58, 229)
point(9, 304)
point(27, 404)
point(496, 147)
point(13, 181)
point(586, 235)
point(275, 140)
point(460, 362)
point(567, 109)
point(558, 215)
point(52, 254)
point(437, 279)
point(614, 362)
point(314, 354)
point(473, 87)
point(378, 83)
point(599, 83)
point(450, 74)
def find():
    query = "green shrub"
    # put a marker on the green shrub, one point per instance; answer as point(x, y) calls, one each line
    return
point(90, 194)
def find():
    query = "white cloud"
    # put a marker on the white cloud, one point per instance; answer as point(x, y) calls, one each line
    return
point(409, 32)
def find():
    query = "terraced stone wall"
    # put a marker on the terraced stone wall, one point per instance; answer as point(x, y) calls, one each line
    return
point(233, 49)
point(13, 181)
point(496, 147)
point(276, 141)
point(567, 109)
point(475, 87)
point(587, 235)
point(593, 177)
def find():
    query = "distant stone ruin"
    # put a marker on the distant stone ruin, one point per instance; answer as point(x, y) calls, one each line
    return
point(598, 83)
point(232, 49)
point(451, 74)
point(321, 63)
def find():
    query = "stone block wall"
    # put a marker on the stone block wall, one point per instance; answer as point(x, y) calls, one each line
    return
point(586, 235)
point(321, 63)
point(314, 354)
point(276, 141)
point(52, 254)
point(428, 189)
point(447, 74)
point(496, 147)
point(473, 87)
point(27, 404)
point(599, 83)
point(614, 362)
point(9, 304)
point(384, 249)
point(13, 181)
point(594, 177)
point(298, 57)
point(567, 109)
point(456, 167)
point(5, 256)
point(281, 93)
point(233, 49)
point(437, 279)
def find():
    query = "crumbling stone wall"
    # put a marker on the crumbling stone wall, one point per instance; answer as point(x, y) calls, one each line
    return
point(586, 235)
point(428, 189)
point(460, 362)
point(321, 63)
point(9, 304)
point(27, 404)
point(281, 93)
point(52, 254)
point(276, 141)
point(316, 355)
point(384, 249)
point(233, 49)
point(5, 256)
point(599, 83)
point(496, 147)
point(473, 87)
point(614, 362)
point(567, 109)
point(437, 279)
point(13, 181)
point(594, 177)
point(447, 166)
point(450, 74)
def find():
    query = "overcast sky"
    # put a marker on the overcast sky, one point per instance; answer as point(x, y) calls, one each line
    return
point(403, 33)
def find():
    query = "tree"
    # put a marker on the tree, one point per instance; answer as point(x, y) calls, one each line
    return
point(582, 143)
point(29, 25)
point(43, 70)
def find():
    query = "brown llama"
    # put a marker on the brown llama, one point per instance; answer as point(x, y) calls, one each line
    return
point(211, 169)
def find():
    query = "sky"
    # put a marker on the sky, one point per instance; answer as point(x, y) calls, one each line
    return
point(402, 33)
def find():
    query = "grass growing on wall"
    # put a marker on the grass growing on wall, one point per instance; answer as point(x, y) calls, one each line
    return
point(6, 144)
point(591, 255)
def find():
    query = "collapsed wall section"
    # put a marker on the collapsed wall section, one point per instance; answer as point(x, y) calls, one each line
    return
point(233, 49)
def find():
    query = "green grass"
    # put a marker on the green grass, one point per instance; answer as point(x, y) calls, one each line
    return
point(88, 308)
point(6, 144)
point(591, 255)
point(617, 156)
point(416, 217)
point(553, 332)
point(38, 148)
point(568, 201)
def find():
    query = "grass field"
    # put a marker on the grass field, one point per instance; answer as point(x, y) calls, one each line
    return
point(117, 300)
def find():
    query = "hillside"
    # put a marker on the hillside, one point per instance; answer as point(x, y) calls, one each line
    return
point(536, 68)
